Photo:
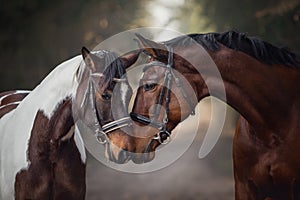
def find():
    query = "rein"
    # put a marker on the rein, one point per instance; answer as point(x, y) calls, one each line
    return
point(163, 136)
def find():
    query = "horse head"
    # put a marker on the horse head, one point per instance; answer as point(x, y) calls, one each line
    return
point(164, 98)
point(102, 100)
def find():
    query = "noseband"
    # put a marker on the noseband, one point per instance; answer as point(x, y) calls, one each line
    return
point(101, 132)
point(163, 136)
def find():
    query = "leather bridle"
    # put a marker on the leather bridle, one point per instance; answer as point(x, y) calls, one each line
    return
point(101, 132)
point(163, 136)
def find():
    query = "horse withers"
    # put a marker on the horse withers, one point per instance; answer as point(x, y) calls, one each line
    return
point(261, 82)
point(42, 152)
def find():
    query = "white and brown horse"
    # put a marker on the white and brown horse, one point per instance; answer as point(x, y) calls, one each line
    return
point(42, 154)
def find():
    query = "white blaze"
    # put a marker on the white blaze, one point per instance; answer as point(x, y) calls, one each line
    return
point(124, 90)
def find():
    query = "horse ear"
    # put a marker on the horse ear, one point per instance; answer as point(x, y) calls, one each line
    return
point(150, 47)
point(88, 59)
point(130, 58)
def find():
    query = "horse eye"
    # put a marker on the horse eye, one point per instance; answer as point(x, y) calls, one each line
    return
point(149, 86)
point(106, 96)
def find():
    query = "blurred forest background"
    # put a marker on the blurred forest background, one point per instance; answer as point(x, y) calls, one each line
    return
point(36, 35)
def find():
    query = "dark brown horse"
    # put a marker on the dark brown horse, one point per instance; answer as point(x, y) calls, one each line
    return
point(261, 81)
point(42, 154)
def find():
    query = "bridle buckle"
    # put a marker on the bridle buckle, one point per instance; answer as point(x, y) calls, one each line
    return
point(101, 137)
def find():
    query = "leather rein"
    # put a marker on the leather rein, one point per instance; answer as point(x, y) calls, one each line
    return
point(163, 135)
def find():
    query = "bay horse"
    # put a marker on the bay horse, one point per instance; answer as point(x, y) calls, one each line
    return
point(261, 82)
point(42, 151)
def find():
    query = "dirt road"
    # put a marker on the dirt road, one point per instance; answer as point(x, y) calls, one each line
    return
point(187, 178)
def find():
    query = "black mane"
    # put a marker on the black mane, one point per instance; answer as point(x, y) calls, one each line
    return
point(253, 46)
point(114, 69)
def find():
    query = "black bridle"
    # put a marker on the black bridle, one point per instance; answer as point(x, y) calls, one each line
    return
point(163, 135)
point(101, 132)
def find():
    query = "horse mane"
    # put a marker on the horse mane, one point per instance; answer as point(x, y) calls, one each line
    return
point(114, 68)
point(253, 46)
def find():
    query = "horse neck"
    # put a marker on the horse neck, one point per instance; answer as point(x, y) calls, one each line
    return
point(263, 94)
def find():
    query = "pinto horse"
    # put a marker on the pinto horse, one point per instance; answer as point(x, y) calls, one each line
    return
point(261, 82)
point(42, 152)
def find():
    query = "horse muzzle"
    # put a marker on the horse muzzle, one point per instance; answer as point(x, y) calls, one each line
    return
point(140, 158)
point(148, 154)
point(116, 154)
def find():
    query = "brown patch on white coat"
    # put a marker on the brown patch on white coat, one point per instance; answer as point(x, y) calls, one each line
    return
point(56, 170)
